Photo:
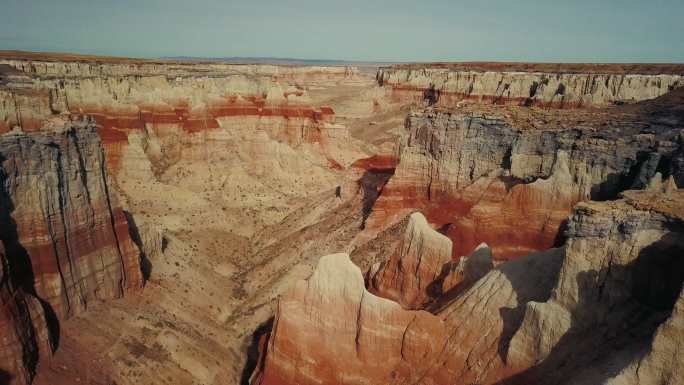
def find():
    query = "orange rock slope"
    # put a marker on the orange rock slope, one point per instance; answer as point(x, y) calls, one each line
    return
point(583, 313)
point(329, 329)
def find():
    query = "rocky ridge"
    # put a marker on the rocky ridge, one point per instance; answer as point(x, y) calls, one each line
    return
point(478, 177)
point(582, 87)
point(597, 299)
point(314, 340)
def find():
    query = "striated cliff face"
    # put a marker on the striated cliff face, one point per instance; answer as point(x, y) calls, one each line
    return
point(239, 177)
point(580, 87)
point(59, 67)
point(480, 179)
point(413, 272)
point(213, 132)
point(66, 240)
point(25, 339)
point(172, 106)
point(583, 313)
point(329, 329)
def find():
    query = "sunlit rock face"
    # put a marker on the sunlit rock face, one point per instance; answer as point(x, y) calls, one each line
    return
point(66, 239)
point(176, 108)
point(413, 271)
point(330, 329)
point(544, 86)
point(65, 220)
point(481, 180)
point(582, 313)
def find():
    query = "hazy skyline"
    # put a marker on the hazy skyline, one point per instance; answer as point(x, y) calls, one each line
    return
point(526, 30)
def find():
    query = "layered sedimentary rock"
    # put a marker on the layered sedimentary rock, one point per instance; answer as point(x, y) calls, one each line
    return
point(329, 329)
point(583, 313)
point(24, 339)
point(621, 277)
point(104, 67)
point(179, 110)
point(66, 240)
point(461, 274)
point(412, 275)
point(64, 220)
point(483, 180)
point(560, 87)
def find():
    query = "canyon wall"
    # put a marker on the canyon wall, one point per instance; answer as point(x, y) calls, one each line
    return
point(561, 87)
point(25, 338)
point(329, 329)
point(57, 67)
point(480, 179)
point(66, 240)
point(583, 313)
point(192, 125)
point(171, 105)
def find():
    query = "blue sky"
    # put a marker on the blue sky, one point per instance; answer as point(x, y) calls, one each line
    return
point(398, 30)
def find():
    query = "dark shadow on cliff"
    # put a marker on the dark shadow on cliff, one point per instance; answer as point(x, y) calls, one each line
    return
point(606, 336)
point(19, 264)
point(5, 377)
point(477, 266)
point(532, 277)
point(145, 263)
point(372, 182)
point(255, 357)
point(431, 95)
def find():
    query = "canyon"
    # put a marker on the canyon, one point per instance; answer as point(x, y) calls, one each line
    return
point(196, 222)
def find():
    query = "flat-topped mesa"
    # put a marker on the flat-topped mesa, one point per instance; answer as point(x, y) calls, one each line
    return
point(330, 330)
point(65, 236)
point(544, 85)
point(174, 106)
point(56, 65)
point(412, 275)
point(482, 180)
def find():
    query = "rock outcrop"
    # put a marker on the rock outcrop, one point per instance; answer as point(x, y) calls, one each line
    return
point(483, 180)
point(559, 87)
point(330, 330)
point(66, 240)
point(592, 311)
point(179, 110)
point(24, 339)
point(412, 275)
point(621, 277)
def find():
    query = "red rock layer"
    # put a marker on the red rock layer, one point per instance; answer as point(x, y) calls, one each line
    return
point(412, 274)
point(23, 331)
point(66, 224)
point(377, 163)
point(513, 221)
point(301, 122)
point(330, 330)
point(480, 180)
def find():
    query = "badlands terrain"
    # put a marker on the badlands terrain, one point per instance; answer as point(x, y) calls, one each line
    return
point(173, 222)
